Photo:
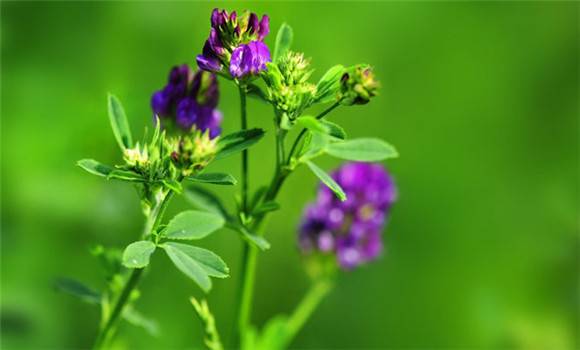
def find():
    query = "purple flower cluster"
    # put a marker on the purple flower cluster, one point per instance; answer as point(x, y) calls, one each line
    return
point(189, 100)
point(236, 43)
point(351, 229)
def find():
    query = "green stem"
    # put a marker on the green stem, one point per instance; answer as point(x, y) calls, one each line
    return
point(244, 122)
point(306, 307)
point(250, 255)
point(303, 131)
point(108, 330)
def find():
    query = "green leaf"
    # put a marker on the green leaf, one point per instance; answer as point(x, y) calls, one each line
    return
point(334, 129)
point(196, 263)
point(137, 319)
point(329, 84)
point(315, 145)
point(256, 92)
point(94, 167)
point(363, 150)
point(201, 198)
point(119, 123)
point(214, 178)
point(312, 124)
point(173, 185)
point(238, 141)
point(137, 254)
point(283, 41)
point(125, 175)
point(327, 180)
point(77, 289)
point(252, 238)
point(265, 208)
point(192, 224)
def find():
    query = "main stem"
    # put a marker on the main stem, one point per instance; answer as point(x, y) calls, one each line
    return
point(108, 330)
point(250, 254)
point(244, 122)
point(248, 259)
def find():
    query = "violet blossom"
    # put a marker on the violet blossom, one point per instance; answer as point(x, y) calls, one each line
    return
point(351, 229)
point(236, 44)
point(189, 100)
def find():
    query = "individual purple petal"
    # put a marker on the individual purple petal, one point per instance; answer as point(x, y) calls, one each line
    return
point(253, 24)
point(209, 64)
point(264, 28)
point(249, 59)
point(160, 104)
point(187, 113)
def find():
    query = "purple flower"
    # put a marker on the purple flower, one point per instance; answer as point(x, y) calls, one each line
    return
point(189, 101)
point(351, 229)
point(249, 59)
point(236, 44)
point(163, 101)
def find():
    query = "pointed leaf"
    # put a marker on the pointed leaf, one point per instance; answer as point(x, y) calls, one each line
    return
point(94, 167)
point(173, 185)
point(186, 264)
point(137, 254)
point(283, 41)
point(363, 150)
point(137, 319)
point(214, 178)
point(119, 123)
point(266, 207)
point(252, 238)
point(238, 141)
point(327, 180)
point(201, 198)
point(334, 129)
point(192, 224)
point(312, 124)
point(77, 289)
point(197, 263)
point(125, 175)
point(329, 84)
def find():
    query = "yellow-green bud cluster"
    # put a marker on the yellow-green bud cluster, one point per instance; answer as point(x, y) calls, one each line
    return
point(358, 85)
point(192, 152)
point(288, 86)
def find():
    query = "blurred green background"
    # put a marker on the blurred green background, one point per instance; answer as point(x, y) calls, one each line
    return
point(481, 99)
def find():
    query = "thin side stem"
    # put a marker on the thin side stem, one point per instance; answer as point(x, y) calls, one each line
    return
point(108, 330)
point(303, 131)
point(309, 303)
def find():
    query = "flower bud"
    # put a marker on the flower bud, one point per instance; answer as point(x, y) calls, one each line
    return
point(358, 85)
point(288, 86)
point(192, 152)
